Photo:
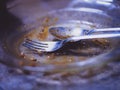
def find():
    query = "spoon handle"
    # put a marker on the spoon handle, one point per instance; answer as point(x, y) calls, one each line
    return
point(106, 29)
point(94, 36)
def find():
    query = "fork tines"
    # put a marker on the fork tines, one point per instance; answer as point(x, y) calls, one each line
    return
point(34, 45)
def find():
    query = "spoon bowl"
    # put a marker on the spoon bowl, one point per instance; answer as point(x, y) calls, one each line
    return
point(66, 32)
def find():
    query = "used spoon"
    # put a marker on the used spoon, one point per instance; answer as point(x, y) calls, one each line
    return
point(66, 32)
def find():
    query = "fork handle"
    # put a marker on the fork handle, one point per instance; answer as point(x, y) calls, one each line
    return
point(73, 39)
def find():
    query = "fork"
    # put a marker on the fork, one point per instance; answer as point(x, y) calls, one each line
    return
point(51, 46)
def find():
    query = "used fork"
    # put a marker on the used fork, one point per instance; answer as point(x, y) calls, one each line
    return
point(51, 46)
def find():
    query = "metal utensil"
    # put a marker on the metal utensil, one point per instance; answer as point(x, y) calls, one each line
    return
point(66, 32)
point(51, 46)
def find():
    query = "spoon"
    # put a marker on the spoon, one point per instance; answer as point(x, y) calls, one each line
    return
point(65, 32)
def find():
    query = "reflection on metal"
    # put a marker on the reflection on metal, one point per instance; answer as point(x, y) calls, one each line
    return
point(106, 3)
point(91, 10)
point(106, 0)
